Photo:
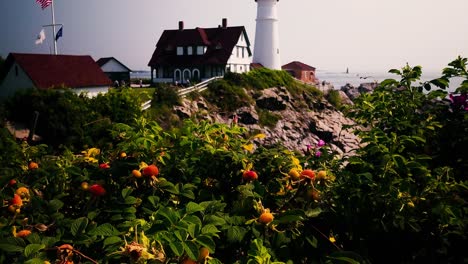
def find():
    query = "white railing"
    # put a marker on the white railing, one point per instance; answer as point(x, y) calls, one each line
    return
point(199, 87)
point(146, 105)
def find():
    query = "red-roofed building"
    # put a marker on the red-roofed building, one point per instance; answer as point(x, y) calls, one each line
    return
point(183, 55)
point(301, 71)
point(43, 71)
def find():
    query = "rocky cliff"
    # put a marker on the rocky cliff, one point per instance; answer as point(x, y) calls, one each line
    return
point(302, 120)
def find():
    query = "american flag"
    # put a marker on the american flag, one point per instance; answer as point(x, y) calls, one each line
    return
point(44, 3)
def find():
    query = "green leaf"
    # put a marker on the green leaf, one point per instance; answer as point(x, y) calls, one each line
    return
point(34, 238)
point(290, 216)
point(214, 261)
point(130, 200)
point(177, 248)
point(191, 249)
point(154, 200)
point(79, 225)
point(168, 187)
point(192, 207)
point(441, 82)
point(32, 249)
point(218, 221)
point(54, 205)
point(209, 229)
point(169, 214)
point(235, 234)
point(105, 230)
point(126, 192)
point(34, 261)
point(181, 235)
point(207, 242)
point(388, 82)
point(188, 194)
point(192, 228)
point(111, 240)
point(11, 248)
point(437, 94)
point(313, 242)
point(313, 212)
point(395, 71)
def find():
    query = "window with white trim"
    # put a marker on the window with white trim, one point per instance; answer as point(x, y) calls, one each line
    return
point(189, 50)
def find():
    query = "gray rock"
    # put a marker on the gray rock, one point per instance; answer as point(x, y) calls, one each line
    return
point(247, 115)
point(273, 99)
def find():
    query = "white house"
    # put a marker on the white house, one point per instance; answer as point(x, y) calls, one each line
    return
point(198, 54)
point(43, 71)
point(114, 69)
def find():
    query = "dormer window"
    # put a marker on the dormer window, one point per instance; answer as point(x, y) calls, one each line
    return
point(180, 51)
point(189, 51)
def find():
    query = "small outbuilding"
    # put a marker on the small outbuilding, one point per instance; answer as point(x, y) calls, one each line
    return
point(43, 71)
point(301, 71)
point(115, 70)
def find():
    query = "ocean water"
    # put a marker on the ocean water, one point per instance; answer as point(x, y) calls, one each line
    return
point(339, 79)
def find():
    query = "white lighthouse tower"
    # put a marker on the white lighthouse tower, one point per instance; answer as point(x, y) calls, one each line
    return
point(266, 50)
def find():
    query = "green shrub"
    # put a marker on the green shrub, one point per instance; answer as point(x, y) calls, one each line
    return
point(334, 98)
point(399, 187)
point(267, 118)
point(226, 96)
point(165, 95)
point(263, 78)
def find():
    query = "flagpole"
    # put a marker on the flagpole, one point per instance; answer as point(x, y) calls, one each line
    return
point(53, 28)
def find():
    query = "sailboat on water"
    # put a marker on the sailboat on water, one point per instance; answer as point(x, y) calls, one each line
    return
point(347, 70)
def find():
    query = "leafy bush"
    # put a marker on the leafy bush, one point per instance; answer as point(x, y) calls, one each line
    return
point(334, 98)
point(108, 206)
point(226, 96)
point(68, 119)
point(267, 118)
point(263, 78)
point(399, 187)
point(165, 95)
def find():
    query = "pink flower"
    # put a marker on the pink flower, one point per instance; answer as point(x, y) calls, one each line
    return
point(459, 101)
point(321, 143)
point(308, 147)
point(318, 154)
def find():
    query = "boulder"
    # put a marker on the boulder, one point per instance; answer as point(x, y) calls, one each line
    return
point(273, 99)
point(247, 115)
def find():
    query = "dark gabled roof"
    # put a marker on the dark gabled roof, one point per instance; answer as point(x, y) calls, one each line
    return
point(219, 42)
point(297, 65)
point(47, 71)
point(102, 61)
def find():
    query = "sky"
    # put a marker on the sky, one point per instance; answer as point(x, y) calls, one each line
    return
point(331, 35)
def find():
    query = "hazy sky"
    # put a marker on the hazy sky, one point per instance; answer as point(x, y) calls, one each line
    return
point(364, 35)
